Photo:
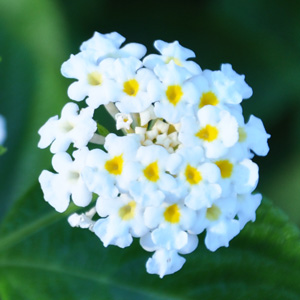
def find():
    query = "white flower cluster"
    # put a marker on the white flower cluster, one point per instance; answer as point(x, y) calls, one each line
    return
point(184, 164)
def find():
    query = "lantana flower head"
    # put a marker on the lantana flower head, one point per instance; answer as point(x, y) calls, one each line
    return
point(180, 166)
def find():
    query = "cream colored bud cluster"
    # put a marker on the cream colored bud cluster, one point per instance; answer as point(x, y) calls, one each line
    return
point(161, 133)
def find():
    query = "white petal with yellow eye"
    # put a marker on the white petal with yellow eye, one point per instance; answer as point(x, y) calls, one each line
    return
point(74, 126)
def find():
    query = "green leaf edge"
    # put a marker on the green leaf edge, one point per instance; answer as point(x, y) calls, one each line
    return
point(102, 130)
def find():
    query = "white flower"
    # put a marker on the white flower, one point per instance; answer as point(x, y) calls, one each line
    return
point(230, 87)
point(172, 52)
point(102, 46)
point(197, 179)
point(137, 86)
point(108, 173)
point(153, 183)
point(169, 237)
point(215, 130)
point(209, 94)
point(123, 220)
point(76, 220)
point(219, 222)
point(247, 204)
point(67, 182)
point(70, 128)
point(123, 121)
point(246, 176)
point(177, 92)
point(94, 81)
point(237, 176)
point(164, 262)
point(169, 224)
point(184, 166)
point(235, 83)
point(2, 130)
point(254, 136)
point(83, 220)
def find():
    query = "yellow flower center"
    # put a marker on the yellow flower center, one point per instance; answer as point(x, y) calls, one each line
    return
point(174, 94)
point(226, 168)
point(176, 60)
point(242, 134)
point(213, 213)
point(115, 165)
point(172, 214)
point(94, 78)
point(151, 172)
point(131, 87)
point(127, 211)
point(208, 98)
point(192, 175)
point(208, 133)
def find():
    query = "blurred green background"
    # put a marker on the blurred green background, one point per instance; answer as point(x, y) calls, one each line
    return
point(260, 38)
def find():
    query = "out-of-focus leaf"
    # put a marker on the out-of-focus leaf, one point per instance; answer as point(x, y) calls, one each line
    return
point(263, 40)
point(263, 262)
point(287, 181)
point(2, 150)
point(31, 88)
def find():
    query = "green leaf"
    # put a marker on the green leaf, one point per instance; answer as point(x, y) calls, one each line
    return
point(288, 180)
point(102, 130)
point(262, 262)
